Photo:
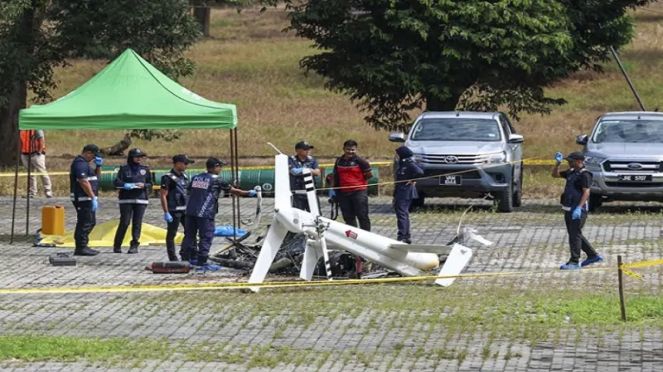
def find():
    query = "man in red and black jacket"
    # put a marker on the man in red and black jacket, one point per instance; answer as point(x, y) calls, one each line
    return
point(351, 175)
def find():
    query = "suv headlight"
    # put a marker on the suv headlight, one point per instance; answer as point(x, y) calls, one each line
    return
point(593, 160)
point(497, 158)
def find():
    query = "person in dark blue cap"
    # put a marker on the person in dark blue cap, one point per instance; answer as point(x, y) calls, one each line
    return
point(173, 200)
point(201, 209)
point(575, 203)
point(404, 191)
point(134, 180)
point(302, 159)
point(83, 184)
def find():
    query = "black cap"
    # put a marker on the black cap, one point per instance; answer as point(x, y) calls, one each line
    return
point(91, 148)
point(575, 156)
point(136, 153)
point(182, 158)
point(303, 145)
point(213, 163)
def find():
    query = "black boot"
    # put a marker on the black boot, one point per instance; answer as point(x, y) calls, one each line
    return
point(117, 250)
point(133, 249)
point(85, 252)
point(172, 256)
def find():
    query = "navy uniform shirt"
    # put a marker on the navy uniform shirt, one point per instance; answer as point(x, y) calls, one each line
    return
point(176, 186)
point(407, 170)
point(204, 191)
point(297, 181)
point(82, 170)
point(134, 174)
point(576, 181)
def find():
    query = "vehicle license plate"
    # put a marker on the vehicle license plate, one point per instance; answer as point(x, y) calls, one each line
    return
point(450, 180)
point(635, 178)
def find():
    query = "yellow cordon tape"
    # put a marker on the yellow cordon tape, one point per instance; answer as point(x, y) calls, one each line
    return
point(222, 286)
point(625, 267)
point(376, 164)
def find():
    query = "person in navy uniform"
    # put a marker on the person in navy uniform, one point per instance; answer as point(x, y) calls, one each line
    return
point(404, 191)
point(135, 182)
point(83, 186)
point(575, 202)
point(302, 159)
point(174, 196)
point(201, 209)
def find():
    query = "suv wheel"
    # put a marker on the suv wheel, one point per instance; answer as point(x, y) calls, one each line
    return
point(595, 202)
point(518, 194)
point(505, 200)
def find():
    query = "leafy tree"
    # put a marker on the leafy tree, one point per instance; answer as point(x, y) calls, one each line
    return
point(392, 56)
point(38, 35)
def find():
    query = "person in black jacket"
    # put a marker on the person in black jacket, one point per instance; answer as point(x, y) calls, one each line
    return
point(404, 191)
point(135, 182)
point(174, 197)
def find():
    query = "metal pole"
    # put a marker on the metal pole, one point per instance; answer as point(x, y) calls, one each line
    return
point(628, 79)
point(621, 288)
point(236, 156)
point(18, 160)
point(27, 209)
point(232, 183)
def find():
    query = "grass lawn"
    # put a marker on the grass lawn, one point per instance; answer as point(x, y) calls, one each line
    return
point(504, 313)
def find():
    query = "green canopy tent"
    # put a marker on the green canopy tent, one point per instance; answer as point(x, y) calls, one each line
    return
point(130, 94)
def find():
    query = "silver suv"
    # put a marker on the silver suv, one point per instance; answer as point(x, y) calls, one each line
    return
point(624, 152)
point(467, 154)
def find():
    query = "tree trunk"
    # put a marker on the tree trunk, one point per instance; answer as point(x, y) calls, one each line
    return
point(17, 100)
point(9, 138)
point(434, 104)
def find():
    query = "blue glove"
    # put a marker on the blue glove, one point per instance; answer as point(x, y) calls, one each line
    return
point(577, 212)
point(168, 217)
point(332, 193)
point(95, 204)
point(129, 186)
point(297, 170)
point(98, 160)
point(559, 157)
point(252, 193)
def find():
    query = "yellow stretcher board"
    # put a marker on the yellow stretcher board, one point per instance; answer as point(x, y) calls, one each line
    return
point(103, 235)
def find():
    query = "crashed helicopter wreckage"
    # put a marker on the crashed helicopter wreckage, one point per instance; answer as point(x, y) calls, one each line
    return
point(323, 234)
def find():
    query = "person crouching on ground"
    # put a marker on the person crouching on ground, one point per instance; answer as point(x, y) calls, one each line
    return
point(201, 209)
point(135, 182)
point(173, 200)
point(405, 190)
point(575, 202)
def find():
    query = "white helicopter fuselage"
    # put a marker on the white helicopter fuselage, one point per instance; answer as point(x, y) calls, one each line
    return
point(321, 232)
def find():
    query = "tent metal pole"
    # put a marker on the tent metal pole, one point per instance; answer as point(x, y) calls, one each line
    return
point(27, 209)
point(233, 183)
point(236, 153)
point(18, 161)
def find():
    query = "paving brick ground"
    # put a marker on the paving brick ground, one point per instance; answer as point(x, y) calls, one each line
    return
point(532, 239)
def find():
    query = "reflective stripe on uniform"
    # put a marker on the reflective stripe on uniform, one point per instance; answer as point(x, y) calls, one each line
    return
point(299, 192)
point(180, 208)
point(80, 198)
point(133, 201)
